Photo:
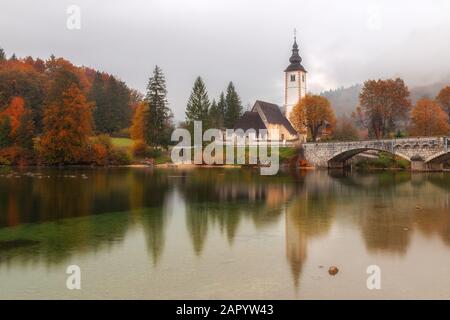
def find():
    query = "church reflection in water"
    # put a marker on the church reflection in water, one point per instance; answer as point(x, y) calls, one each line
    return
point(53, 214)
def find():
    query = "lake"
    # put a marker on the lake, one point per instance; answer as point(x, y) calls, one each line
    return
point(142, 233)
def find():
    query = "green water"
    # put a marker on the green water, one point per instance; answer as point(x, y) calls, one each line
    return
point(222, 233)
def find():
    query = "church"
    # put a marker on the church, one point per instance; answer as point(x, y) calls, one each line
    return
point(265, 115)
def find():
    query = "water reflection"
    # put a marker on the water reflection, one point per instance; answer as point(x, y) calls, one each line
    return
point(50, 214)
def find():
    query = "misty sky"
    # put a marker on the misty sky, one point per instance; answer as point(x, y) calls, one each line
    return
point(248, 42)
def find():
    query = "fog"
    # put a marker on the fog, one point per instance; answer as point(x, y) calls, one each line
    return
point(247, 42)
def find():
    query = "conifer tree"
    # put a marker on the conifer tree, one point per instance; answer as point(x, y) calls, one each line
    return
point(222, 107)
point(215, 116)
point(2, 55)
point(198, 104)
point(159, 114)
point(233, 106)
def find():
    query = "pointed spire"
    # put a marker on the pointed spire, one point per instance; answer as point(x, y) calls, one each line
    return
point(295, 58)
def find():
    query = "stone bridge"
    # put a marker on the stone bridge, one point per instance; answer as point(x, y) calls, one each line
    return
point(425, 154)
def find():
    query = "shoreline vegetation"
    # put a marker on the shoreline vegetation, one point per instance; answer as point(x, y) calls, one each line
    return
point(54, 113)
point(289, 157)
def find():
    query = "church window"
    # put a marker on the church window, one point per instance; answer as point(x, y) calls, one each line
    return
point(292, 77)
point(303, 77)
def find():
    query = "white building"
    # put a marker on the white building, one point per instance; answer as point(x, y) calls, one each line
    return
point(294, 84)
point(265, 115)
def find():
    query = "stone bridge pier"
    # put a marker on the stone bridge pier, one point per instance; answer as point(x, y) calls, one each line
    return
point(425, 154)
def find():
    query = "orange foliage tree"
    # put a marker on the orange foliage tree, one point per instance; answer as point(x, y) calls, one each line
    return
point(314, 113)
point(443, 98)
point(15, 111)
point(67, 127)
point(137, 130)
point(428, 119)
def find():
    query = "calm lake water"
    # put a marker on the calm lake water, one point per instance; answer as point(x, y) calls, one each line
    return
point(223, 233)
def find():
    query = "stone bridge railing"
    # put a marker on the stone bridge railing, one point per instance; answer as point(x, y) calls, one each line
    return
point(428, 153)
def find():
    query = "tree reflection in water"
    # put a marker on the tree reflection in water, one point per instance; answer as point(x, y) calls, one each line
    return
point(50, 214)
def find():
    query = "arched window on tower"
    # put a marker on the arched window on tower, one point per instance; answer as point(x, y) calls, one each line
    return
point(292, 77)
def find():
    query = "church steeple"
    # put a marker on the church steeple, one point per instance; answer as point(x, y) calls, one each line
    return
point(295, 59)
point(294, 83)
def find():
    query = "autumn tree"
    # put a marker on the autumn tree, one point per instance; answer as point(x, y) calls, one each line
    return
point(428, 119)
point(383, 103)
point(314, 113)
point(67, 127)
point(138, 126)
point(18, 79)
point(198, 104)
point(443, 98)
point(159, 115)
point(345, 129)
point(233, 106)
point(14, 111)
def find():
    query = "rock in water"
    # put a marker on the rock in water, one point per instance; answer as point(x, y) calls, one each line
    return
point(333, 270)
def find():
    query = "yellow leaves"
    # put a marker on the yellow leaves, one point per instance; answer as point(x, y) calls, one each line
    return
point(313, 112)
point(137, 130)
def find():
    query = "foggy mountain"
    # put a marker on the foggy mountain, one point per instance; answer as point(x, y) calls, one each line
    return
point(344, 100)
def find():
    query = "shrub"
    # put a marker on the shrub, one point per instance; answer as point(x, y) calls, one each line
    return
point(100, 149)
point(99, 154)
point(139, 149)
point(15, 155)
point(119, 157)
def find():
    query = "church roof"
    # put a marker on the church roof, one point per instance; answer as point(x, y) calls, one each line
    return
point(295, 60)
point(250, 120)
point(273, 115)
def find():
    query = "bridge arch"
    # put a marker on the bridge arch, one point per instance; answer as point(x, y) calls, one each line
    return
point(438, 158)
point(340, 158)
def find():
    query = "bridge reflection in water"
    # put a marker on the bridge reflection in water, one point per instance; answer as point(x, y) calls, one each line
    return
point(212, 233)
point(425, 154)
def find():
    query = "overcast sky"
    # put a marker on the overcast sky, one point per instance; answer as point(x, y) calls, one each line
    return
point(341, 42)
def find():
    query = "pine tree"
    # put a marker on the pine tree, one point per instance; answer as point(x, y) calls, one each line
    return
point(159, 114)
point(198, 104)
point(13, 57)
point(233, 106)
point(215, 116)
point(2, 55)
point(222, 106)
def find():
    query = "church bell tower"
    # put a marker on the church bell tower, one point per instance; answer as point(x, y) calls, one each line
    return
point(294, 81)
